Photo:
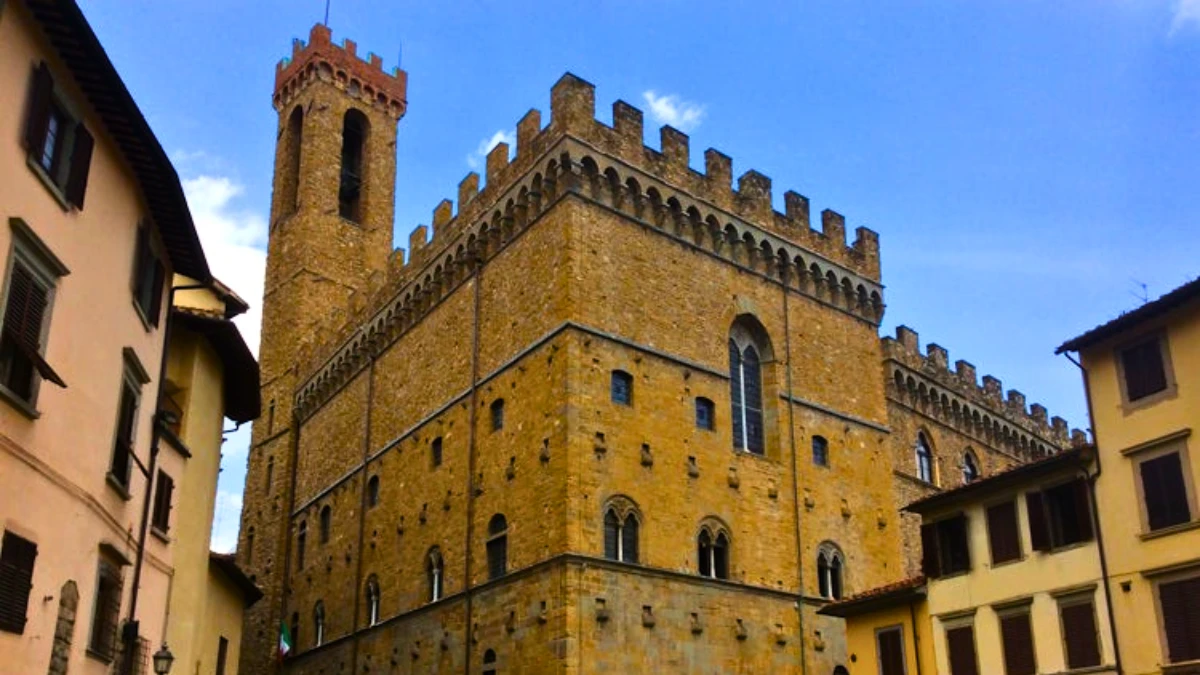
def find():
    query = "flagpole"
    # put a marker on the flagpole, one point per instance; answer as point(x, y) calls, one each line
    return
point(326, 13)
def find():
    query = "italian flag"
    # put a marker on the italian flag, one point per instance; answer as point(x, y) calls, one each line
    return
point(285, 641)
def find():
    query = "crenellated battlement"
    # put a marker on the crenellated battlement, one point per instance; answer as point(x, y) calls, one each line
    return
point(577, 154)
point(321, 59)
point(926, 382)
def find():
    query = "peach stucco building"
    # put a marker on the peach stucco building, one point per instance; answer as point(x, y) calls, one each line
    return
point(93, 228)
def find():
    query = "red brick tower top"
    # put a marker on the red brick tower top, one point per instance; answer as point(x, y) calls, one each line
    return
point(320, 58)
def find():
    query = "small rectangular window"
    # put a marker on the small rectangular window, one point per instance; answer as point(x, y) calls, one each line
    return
point(1003, 532)
point(149, 275)
point(1164, 491)
point(820, 451)
point(106, 611)
point(56, 141)
point(622, 387)
point(1180, 605)
point(29, 296)
point(1016, 636)
point(945, 547)
point(960, 643)
point(222, 654)
point(17, 555)
point(126, 428)
point(889, 650)
point(705, 414)
point(435, 449)
point(497, 414)
point(1143, 369)
point(163, 490)
point(1079, 633)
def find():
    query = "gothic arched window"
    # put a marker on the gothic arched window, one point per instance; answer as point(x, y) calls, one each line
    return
point(924, 459)
point(748, 349)
point(712, 551)
point(497, 546)
point(820, 451)
point(830, 565)
point(301, 542)
point(354, 141)
point(434, 568)
point(319, 623)
point(489, 662)
point(970, 467)
point(372, 600)
point(326, 523)
point(621, 531)
point(290, 183)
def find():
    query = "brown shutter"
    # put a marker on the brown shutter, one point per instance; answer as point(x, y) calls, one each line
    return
point(890, 651)
point(23, 318)
point(1180, 602)
point(1079, 633)
point(930, 560)
point(1083, 509)
point(962, 545)
point(16, 580)
point(1002, 532)
point(156, 291)
point(41, 91)
point(81, 161)
point(1164, 491)
point(1039, 533)
point(1016, 633)
point(961, 644)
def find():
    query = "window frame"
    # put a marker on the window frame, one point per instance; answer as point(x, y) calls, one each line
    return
point(110, 571)
point(133, 379)
point(496, 408)
point(1172, 444)
point(495, 545)
point(1051, 519)
point(936, 528)
point(373, 491)
point(65, 182)
point(1172, 388)
point(1023, 608)
point(319, 623)
point(1087, 597)
point(923, 443)
point(435, 574)
point(325, 524)
point(436, 449)
point(374, 600)
point(146, 251)
point(967, 622)
point(894, 628)
point(620, 388)
point(972, 462)
point(12, 545)
point(1190, 573)
point(1016, 520)
point(29, 251)
point(160, 519)
point(824, 458)
point(831, 571)
point(710, 409)
point(715, 531)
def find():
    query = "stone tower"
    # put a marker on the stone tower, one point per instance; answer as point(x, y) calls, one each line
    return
point(330, 230)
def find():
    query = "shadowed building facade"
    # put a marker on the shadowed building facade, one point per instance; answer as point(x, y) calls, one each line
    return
point(611, 415)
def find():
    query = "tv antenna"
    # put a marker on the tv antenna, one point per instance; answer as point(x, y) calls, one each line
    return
point(1144, 296)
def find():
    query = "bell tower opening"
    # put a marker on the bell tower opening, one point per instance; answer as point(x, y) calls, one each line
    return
point(290, 179)
point(355, 127)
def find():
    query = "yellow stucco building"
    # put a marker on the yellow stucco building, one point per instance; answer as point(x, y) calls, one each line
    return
point(1139, 370)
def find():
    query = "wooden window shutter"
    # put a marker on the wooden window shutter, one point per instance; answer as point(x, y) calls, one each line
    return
point(890, 651)
point(41, 94)
point(1039, 531)
point(156, 290)
point(162, 502)
point(16, 580)
point(24, 316)
point(1016, 634)
point(961, 644)
point(1083, 510)
point(81, 162)
point(930, 557)
point(1180, 602)
point(1079, 633)
point(1164, 491)
point(1002, 532)
point(1144, 372)
point(961, 553)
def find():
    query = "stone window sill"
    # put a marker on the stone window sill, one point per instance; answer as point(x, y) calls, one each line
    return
point(22, 406)
point(119, 487)
point(1168, 531)
point(160, 534)
point(48, 182)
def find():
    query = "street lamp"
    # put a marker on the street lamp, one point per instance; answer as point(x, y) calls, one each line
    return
point(163, 659)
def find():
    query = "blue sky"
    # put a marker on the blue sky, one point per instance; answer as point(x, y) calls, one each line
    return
point(1028, 165)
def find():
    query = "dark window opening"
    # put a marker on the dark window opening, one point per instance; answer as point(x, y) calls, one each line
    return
point(945, 548)
point(56, 142)
point(1016, 636)
point(1164, 491)
point(17, 556)
point(620, 537)
point(106, 611)
point(820, 451)
point(149, 275)
point(706, 414)
point(372, 600)
point(123, 448)
point(621, 388)
point(301, 543)
point(291, 180)
point(924, 459)
point(1059, 516)
point(373, 491)
point(326, 523)
point(497, 547)
point(1180, 604)
point(489, 662)
point(1079, 634)
point(713, 554)
point(960, 642)
point(270, 473)
point(497, 414)
point(435, 452)
point(1143, 368)
point(248, 557)
point(319, 623)
point(161, 519)
point(222, 654)
point(970, 468)
point(889, 648)
point(354, 136)
point(1003, 534)
point(26, 313)
point(436, 578)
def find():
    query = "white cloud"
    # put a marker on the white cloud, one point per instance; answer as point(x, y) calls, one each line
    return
point(1187, 13)
point(478, 159)
point(235, 241)
point(672, 110)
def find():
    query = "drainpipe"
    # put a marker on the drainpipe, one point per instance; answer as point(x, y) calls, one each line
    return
point(129, 632)
point(1091, 482)
point(912, 614)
